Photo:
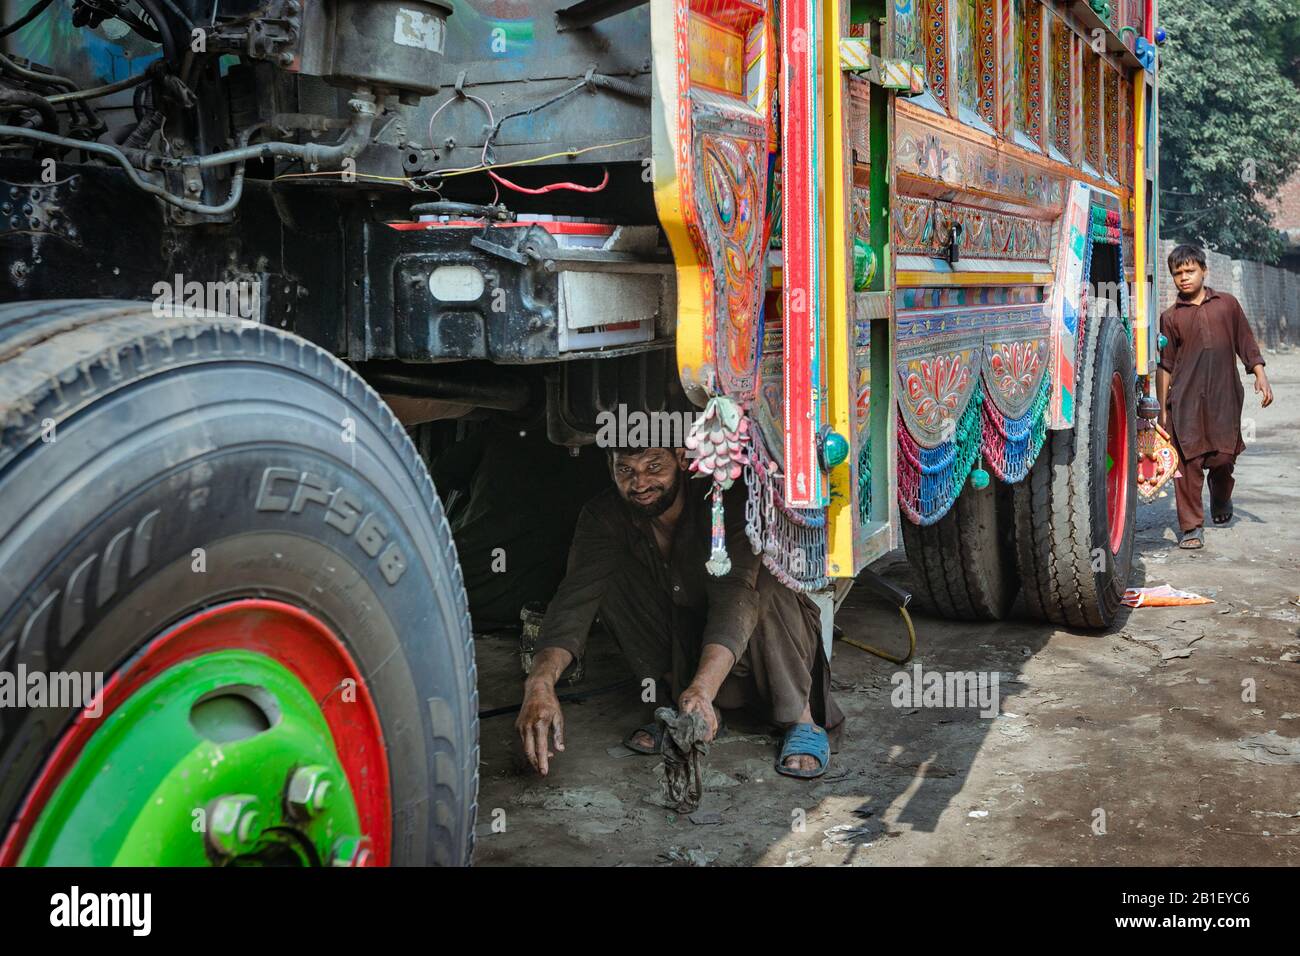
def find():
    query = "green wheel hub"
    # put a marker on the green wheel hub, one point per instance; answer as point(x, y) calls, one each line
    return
point(224, 759)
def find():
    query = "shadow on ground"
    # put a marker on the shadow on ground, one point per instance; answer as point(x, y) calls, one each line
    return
point(1174, 738)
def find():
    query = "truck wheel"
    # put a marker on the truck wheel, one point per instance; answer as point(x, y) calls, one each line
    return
point(228, 526)
point(1074, 512)
point(964, 563)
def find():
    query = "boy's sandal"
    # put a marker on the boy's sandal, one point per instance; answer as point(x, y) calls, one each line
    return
point(654, 730)
point(1222, 513)
point(804, 740)
point(1193, 539)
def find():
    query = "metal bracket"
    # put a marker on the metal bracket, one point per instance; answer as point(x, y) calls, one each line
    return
point(492, 249)
point(902, 76)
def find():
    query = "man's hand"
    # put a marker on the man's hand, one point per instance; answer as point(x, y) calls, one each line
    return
point(540, 717)
point(696, 700)
point(716, 663)
point(1262, 388)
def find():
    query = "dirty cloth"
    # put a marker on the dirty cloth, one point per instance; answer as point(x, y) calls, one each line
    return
point(1205, 391)
point(662, 612)
point(684, 751)
point(1189, 486)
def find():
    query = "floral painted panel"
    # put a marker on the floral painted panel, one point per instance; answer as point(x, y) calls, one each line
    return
point(1062, 40)
point(966, 66)
point(936, 47)
point(986, 62)
point(1092, 109)
point(1111, 108)
point(1019, 72)
point(928, 153)
point(1034, 71)
point(907, 31)
point(1126, 132)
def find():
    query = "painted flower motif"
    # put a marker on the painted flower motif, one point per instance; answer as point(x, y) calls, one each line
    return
point(1014, 366)
point(935, 386)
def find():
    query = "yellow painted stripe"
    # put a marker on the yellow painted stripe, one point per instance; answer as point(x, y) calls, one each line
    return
point(911, 279)
point(1140, 224)
point(839, 359)
point(692, 341)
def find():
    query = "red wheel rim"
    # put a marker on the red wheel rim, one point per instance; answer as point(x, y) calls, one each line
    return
point(292, 637)
point(1117, 455)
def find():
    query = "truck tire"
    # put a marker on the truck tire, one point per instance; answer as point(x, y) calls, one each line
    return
point(1074, 512)
point(964, 563)
point(227, 523)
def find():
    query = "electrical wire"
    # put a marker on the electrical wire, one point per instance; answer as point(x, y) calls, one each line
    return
point(414, 184)
point(592, 80)
point(461, 94)
point(98, 91)
point(575, 187)
point(34, 11)
point(570, 153)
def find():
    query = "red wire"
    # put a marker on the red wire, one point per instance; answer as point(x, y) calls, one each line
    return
point(552, 187)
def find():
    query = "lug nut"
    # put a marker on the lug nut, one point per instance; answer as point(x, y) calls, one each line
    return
point(234, 824)
point(351, 851)
point(309, 791)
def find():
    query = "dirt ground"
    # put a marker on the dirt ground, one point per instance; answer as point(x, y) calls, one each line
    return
point(1133, 747)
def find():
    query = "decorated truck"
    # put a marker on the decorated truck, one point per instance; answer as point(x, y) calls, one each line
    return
point(901, 251)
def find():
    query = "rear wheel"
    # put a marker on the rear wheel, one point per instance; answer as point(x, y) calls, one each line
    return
point(964, 563)
point(1074, 512)
point(230, 527)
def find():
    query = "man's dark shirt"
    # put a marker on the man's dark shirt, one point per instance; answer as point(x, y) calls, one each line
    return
point(1205, 393)
point(612, 540)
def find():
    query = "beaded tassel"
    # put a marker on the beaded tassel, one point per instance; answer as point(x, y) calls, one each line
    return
point(929, 479)
point(719, 563)
point(719, 438)
point(1012, 444)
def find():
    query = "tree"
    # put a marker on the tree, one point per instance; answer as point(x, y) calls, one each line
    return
point(1229, 120)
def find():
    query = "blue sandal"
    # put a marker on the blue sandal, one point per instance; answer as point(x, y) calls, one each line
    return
point(804, 740)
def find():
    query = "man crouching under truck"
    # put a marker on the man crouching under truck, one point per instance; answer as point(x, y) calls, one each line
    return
point(742, 640)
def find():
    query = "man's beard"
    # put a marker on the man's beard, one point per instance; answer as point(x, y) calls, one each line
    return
point(663, 502)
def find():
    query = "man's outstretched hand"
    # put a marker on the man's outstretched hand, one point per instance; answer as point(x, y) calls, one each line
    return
point(540, 719)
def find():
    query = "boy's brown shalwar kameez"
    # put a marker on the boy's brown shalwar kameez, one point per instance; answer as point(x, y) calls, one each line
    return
point(1205, 396)
point(662, 612)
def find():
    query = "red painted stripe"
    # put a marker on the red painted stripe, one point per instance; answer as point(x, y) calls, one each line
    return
point(554, 228)
point(798, 179)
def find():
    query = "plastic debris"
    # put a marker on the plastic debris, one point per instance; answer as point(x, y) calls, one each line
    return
point(1163, 596)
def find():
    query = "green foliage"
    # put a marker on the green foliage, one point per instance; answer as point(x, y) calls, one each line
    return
point(1229, 120)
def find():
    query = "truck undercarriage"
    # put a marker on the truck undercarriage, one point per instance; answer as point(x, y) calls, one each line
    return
point(252, 249)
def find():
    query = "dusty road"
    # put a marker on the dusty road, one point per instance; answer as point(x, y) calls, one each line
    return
point(1134, 747)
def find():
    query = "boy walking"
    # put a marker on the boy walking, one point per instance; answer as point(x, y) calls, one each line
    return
point(1200, 391)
